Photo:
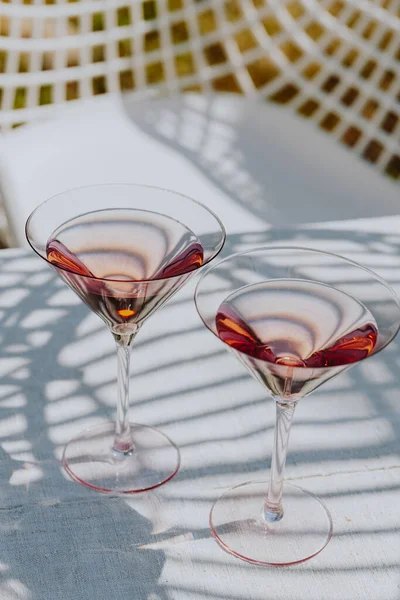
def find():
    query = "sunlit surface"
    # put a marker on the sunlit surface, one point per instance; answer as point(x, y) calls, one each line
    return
point(60, 540)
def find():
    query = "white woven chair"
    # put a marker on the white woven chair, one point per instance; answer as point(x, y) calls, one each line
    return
point(335, 62)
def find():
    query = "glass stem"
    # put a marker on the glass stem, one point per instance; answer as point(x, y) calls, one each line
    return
point(273, 509)
point(123, 444)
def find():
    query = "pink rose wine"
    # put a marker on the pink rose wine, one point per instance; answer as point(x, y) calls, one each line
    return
point(297, 324)
point(124, 263)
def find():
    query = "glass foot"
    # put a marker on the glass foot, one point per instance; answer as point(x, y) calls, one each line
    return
point(90, 460)
point(304, 530)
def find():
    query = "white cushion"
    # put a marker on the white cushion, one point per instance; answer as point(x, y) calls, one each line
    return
point(254, 164)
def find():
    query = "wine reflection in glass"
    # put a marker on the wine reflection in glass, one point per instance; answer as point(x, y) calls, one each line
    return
point(125, 250)
point(295, 318)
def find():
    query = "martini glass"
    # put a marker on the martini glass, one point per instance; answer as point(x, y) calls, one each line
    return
point(295, 318)
point(124, 250)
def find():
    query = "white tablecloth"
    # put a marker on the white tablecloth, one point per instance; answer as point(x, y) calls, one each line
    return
point(59, 540)
point(260, 170)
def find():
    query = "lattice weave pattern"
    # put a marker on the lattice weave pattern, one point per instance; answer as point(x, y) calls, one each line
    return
point(334, 61)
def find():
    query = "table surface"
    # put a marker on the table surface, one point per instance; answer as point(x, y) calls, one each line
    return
point(59, 540)
point(57, 367)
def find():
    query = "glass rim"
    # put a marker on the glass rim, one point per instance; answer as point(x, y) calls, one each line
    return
point(133, 185)
point(263, 249)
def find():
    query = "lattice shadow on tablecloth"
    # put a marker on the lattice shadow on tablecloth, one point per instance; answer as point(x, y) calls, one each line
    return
point(57, 376)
